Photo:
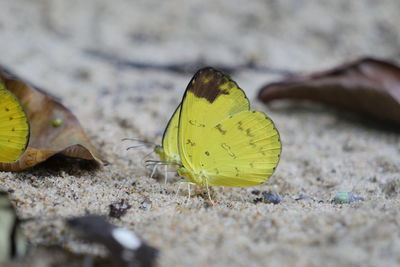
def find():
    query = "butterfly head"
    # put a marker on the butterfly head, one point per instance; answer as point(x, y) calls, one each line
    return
point(160, 152)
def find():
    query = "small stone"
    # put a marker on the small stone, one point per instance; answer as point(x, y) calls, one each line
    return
point(118, 209)
point(57, 122)
point(145, 205)
point(270, 197)
point(207, 204)
point(343, 197)
point(303, 197)
point(257, 199)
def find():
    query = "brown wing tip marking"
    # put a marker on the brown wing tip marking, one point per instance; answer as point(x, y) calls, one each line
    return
point(209, 83)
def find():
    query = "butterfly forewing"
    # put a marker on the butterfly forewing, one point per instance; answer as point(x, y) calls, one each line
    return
point(210, 97)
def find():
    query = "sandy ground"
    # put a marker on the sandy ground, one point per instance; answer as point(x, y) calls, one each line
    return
point(324, 151)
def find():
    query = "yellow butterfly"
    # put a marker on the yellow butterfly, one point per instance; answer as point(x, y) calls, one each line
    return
point(216, 139)
point(14, 127)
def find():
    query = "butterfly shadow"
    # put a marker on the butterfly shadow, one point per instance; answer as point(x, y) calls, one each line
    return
point(58, 164)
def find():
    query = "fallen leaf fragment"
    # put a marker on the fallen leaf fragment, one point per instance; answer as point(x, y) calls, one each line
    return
point(119, 209)
point(368, 86)
point(53, 128)
point(125, 248)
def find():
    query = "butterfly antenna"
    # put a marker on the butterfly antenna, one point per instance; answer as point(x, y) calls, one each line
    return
point(142, 143)
point(132, 147)
point(135, 139)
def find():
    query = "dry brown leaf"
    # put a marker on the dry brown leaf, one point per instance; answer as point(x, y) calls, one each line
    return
point(53, 128)
point(367, 86)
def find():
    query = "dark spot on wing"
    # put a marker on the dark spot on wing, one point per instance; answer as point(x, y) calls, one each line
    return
point(189, 142)
point(209, 83)
point(207, 153)
point(219, 128)
point(237, 171)
point(197, 124)
point(252, 144)
point(240, 128)
point(249, 133)
point(227, 148)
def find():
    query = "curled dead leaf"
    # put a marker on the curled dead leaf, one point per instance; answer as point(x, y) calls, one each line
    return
point(53, 128)
point(367, 86)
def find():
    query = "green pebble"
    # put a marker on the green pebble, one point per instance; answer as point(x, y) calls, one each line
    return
point(343, 197)
point(57, 122)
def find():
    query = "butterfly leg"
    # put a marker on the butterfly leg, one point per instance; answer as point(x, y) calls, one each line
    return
point(188, 193)
point(209, 195)
point(177, 191)
point(166, 173)
point(154, 170)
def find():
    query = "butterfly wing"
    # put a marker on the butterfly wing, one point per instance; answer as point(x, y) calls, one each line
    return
point(242, 151)
point(209, 98)
point(169, 151)
point(14, 127)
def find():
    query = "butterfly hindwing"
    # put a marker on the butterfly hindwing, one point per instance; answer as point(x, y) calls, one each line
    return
point(14, 127)
point(210, 97)
point(170, 152)
point(241, 150)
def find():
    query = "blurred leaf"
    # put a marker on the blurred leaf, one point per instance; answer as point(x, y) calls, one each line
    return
point(367, 86)
point(53, 128)
point(125, 248)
